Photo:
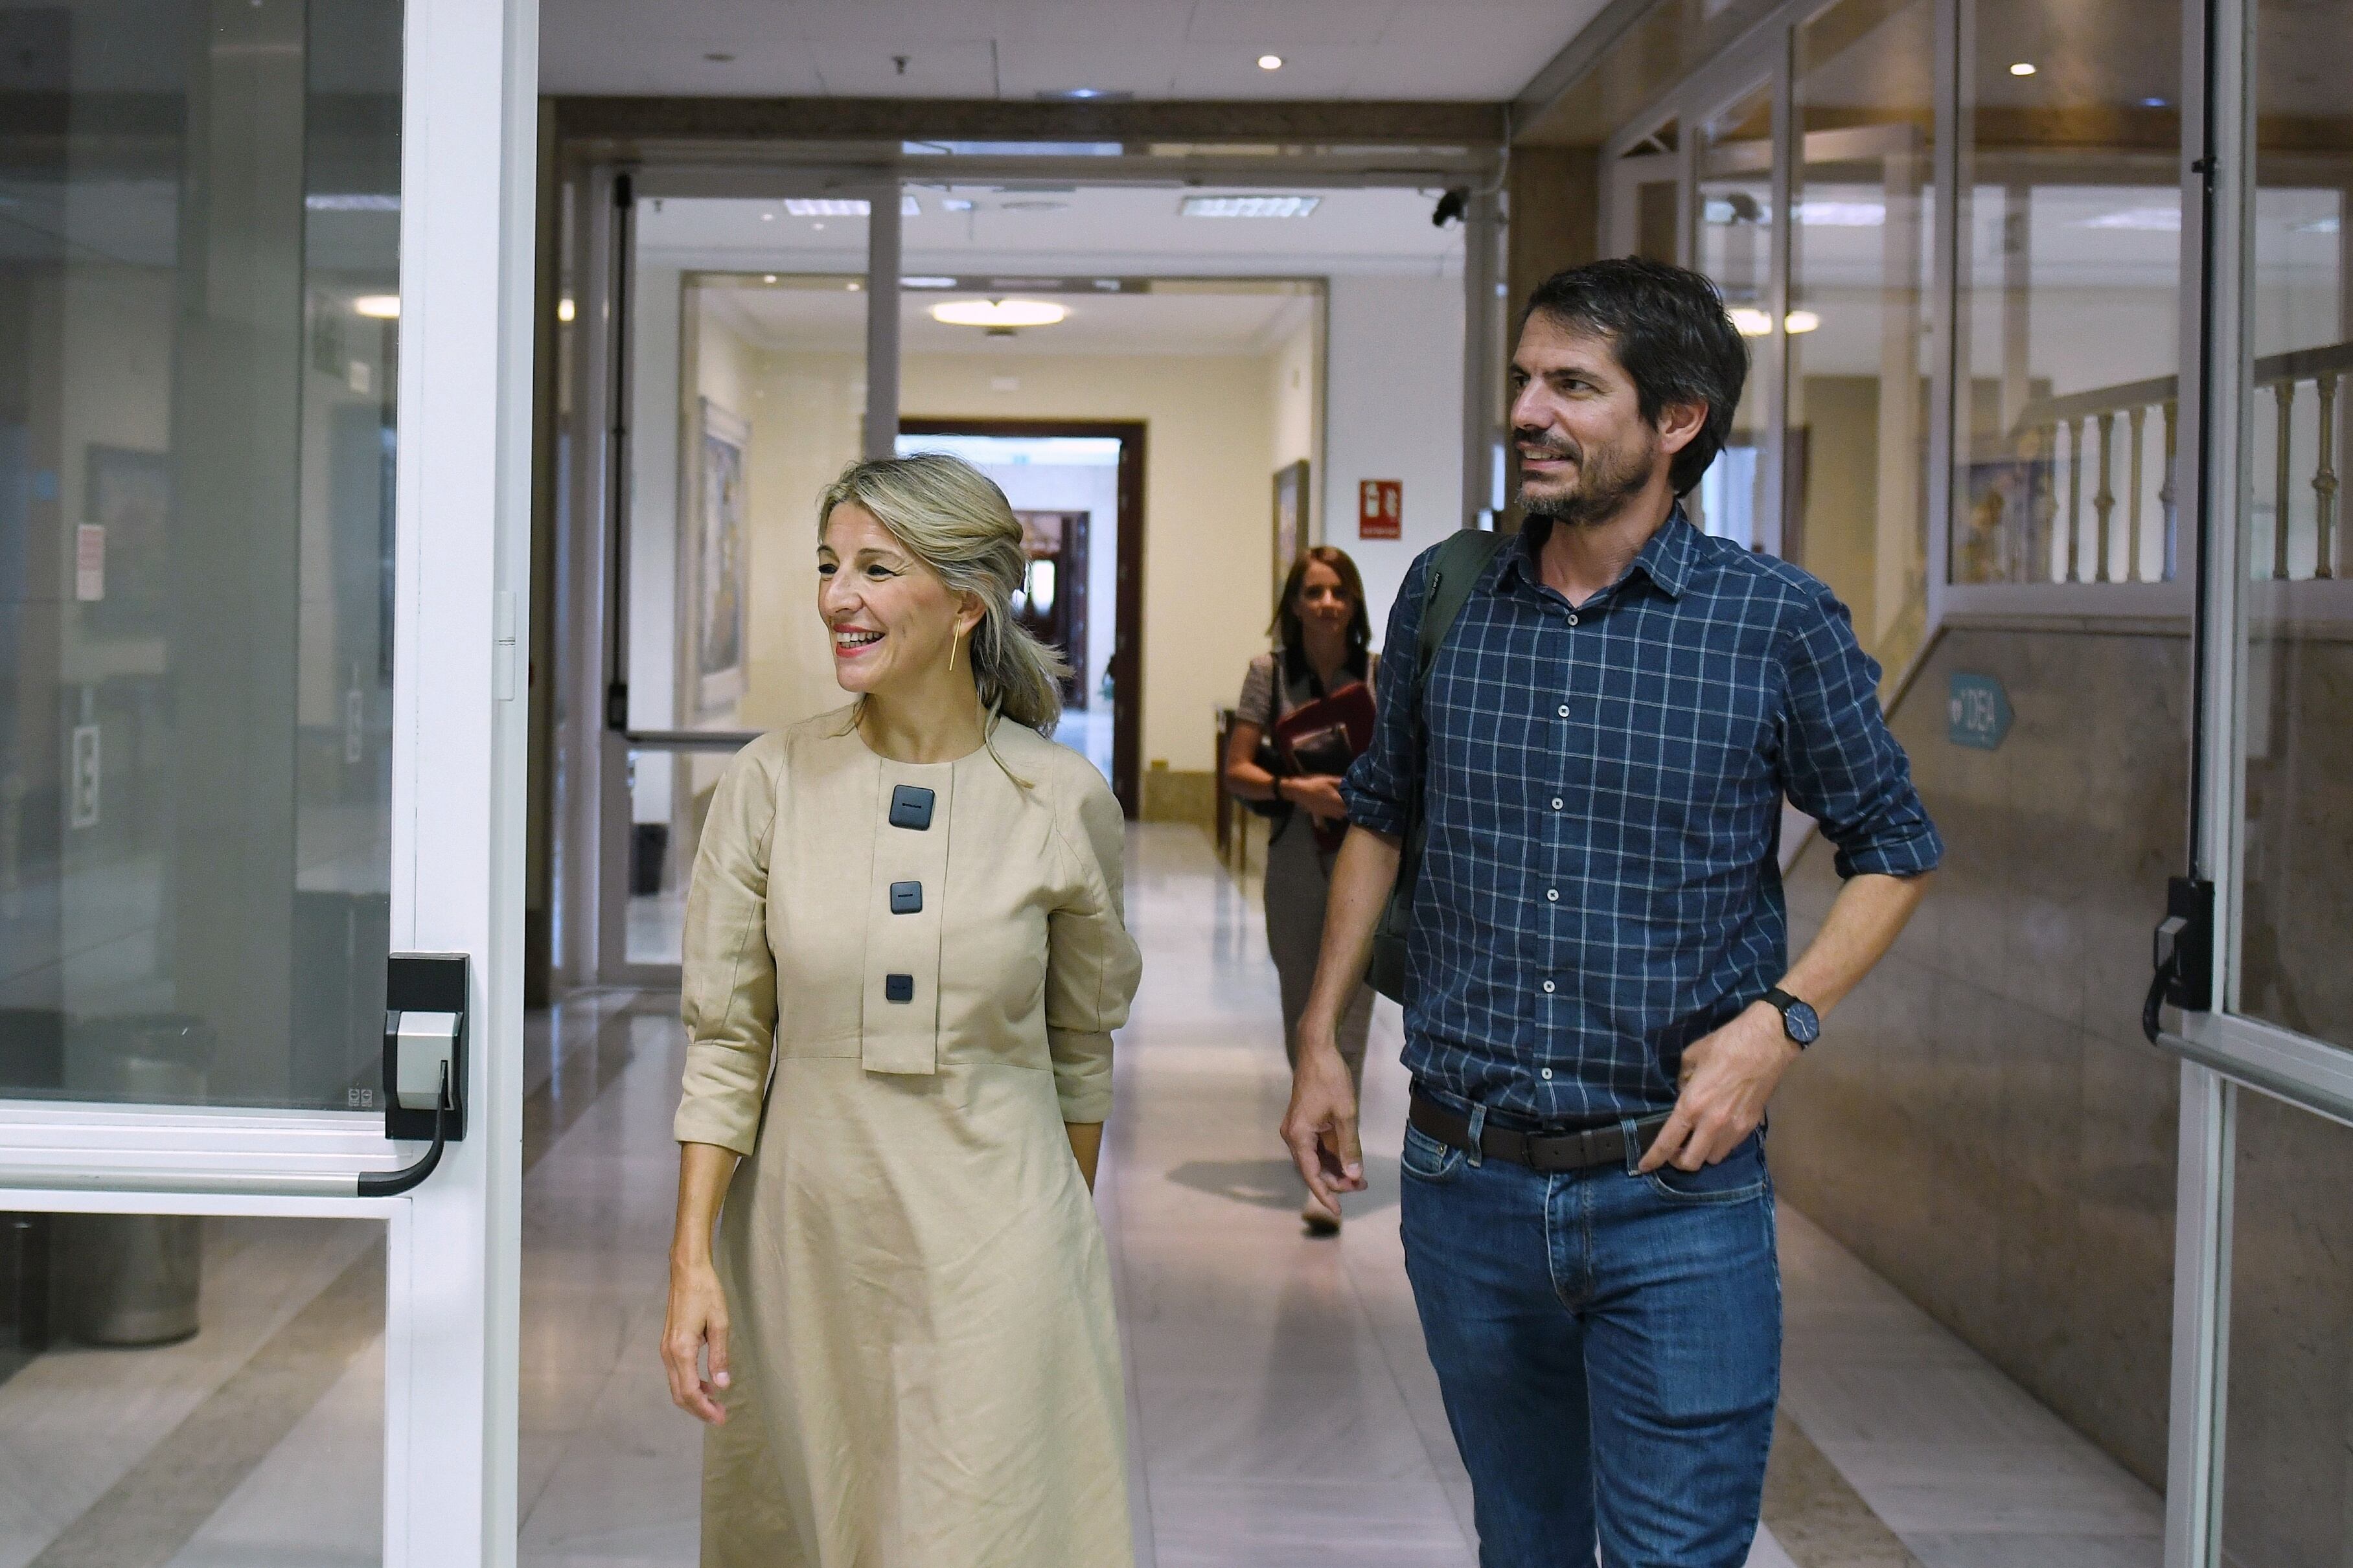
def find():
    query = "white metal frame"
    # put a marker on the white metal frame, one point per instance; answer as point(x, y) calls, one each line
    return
point(462, 525)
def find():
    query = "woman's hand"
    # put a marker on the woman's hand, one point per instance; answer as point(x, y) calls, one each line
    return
point(1318, 794)
point(697, 1318)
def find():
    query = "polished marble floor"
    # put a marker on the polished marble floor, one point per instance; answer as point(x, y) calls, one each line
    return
point(1282, 1409)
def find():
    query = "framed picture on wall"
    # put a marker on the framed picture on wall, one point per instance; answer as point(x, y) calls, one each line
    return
point(1289, 520)
point(717, 569)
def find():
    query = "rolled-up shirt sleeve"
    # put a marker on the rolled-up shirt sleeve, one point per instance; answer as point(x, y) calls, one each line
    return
point(728, 975)
point(1092, 966)
point(1839, 763)
point(1380, 785)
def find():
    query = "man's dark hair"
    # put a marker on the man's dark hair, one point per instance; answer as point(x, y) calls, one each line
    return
point(1668, 327)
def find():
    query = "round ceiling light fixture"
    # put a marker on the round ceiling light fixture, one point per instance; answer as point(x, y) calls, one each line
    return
point(2023, 68)
point(998, 313)
point(1270, 62)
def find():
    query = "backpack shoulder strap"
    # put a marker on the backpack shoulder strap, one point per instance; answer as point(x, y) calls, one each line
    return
point(1454, 568)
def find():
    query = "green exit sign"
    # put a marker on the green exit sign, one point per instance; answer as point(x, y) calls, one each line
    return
point(1978, 714)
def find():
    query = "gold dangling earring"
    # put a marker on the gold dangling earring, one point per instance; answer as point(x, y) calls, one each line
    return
point(953, 639)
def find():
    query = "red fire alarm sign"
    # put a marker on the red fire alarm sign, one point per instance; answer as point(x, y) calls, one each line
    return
point(1380, 509)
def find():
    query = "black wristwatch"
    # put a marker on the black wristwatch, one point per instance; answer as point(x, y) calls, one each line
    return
point(1799, 1019)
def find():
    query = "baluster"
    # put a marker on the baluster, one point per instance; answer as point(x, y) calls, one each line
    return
point(2034, 563)
point(2285, 393)
point(2104, 501)
point(2068, 573)
point(2324, 480)
point(2166, 494)
point(2135, 423)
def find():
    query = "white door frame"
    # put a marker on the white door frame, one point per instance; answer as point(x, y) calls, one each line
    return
point(469, 129)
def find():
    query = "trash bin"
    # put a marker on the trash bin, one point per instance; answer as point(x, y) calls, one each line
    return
point(133, 1280)
point(649, 847)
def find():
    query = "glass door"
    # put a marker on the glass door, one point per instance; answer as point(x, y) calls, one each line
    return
point(263, 476)
point(748, 351)
point(2262, 1399)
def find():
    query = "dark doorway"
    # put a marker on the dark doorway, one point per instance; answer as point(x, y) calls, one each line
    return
point(1052, 605)
point(1125, 666)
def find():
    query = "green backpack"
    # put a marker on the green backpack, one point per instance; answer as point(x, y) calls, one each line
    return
point(1454, 567)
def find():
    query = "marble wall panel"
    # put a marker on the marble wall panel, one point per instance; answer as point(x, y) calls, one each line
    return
point(1984, 1126)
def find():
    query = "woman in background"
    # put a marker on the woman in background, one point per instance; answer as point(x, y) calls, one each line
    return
point(1323, 638)
point(904, 959)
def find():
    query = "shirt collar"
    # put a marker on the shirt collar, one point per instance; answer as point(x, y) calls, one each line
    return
point(1667, 558)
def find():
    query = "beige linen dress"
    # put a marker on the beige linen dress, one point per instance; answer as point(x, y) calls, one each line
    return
point(926, 1370)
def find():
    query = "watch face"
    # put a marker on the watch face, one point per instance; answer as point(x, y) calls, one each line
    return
point(1803, 1024)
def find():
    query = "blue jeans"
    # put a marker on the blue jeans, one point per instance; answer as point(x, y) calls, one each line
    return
point(1610, 1348)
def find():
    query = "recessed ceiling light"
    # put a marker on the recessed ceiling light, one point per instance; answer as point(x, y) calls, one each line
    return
point(768, 217)
point(2152, 103)
point(767, 277)
point(1270, 62)
point(2023, 68)
point(1249, 206)
point(1802, 321)
point(956, 203)
point(998, 313)
point(563, 309)
point(927, 282)
point(854, 285)
point(378, 307)
point(1752, 322)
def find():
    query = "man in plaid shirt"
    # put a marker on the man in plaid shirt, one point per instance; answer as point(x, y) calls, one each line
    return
point(1598, 998)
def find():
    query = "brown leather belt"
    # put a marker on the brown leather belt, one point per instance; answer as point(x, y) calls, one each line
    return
point(1536, 1150)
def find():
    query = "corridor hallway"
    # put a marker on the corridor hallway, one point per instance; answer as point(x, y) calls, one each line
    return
point(1282, 1410)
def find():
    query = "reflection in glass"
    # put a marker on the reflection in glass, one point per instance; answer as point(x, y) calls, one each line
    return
point(2298, 690)
point(199, 227)
point(2287, 1470)
point(1856, 451)
point(1734, 246)
point(2068, 309)
point(192, 1391)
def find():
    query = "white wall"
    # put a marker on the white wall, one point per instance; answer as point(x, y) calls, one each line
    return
point(656, 413)
point(1392, 410)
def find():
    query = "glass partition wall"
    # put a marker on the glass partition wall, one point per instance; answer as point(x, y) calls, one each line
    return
point(2053, 312)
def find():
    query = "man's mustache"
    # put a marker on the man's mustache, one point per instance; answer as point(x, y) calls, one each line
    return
point(1538, 447)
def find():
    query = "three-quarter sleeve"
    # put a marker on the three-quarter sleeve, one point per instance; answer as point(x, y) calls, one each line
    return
point(728, 976)
point(1091, 964)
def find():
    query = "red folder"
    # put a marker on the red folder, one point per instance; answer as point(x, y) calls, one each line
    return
point(1326, 736)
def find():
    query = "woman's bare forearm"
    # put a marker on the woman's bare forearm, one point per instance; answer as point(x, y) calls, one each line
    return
point(703, 1172)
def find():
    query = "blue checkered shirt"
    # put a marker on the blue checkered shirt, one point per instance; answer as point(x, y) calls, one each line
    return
point(1603, 786)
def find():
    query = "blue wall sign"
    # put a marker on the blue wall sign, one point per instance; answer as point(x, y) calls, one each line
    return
point(1980, 712)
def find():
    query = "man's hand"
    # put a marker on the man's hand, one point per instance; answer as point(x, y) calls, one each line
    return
point(1728, 1076)
point(1321, 1125)
point(1318, 794)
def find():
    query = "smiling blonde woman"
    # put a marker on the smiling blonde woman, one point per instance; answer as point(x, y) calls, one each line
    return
point(904, 958)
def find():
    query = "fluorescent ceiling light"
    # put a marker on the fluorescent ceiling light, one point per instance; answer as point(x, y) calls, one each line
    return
point(843, 207)
point(2148, 220)
point(1752, 322)
point(998, 313)
point(1015, 149)
point(956, 203)
point(378, 307)
point(350, 202)
point(1250, 206)
point(1270, 62)
point(927, 282)
point(1842, 215)
point(1087, 95)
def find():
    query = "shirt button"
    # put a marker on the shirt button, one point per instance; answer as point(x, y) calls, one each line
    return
point(1547, 1073)
point(1552, 895)
point(1556, 802)
point(1548, 987)
point(1564, 710)
point(1572, 617)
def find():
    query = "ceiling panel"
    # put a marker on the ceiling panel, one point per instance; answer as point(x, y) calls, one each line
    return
point(1478, 50)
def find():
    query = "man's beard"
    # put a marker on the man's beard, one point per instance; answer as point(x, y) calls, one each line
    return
point(1605, 480)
